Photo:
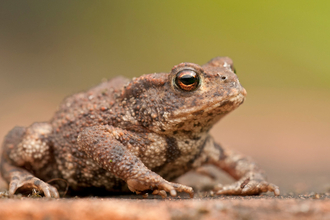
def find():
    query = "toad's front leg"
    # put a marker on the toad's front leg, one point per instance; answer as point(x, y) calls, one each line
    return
point(105, 145)
point(251, 180)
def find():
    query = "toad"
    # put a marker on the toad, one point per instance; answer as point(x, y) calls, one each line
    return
point(136, 135)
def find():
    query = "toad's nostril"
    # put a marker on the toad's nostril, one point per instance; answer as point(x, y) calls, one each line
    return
point(223, 77)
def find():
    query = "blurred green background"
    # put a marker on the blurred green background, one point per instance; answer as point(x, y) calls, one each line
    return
point(73, 44)
point(50, 49)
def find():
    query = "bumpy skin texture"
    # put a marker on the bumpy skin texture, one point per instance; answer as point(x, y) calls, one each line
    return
point(134, 135)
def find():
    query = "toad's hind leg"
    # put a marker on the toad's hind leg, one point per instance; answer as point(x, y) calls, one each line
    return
point(26, 149)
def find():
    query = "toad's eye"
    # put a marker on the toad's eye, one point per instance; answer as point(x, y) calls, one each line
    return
point(187, 80)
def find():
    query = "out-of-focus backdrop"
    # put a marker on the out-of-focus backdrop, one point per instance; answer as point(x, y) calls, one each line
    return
point(281, 50)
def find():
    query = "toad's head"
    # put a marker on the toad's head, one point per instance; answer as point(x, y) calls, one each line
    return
point(189, 98)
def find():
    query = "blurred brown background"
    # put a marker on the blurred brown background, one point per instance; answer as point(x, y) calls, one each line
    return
point(50, 49)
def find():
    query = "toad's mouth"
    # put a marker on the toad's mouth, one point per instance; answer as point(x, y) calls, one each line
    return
point(217, 105)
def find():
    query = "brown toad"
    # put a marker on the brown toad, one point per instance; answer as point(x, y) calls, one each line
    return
point(135, 134)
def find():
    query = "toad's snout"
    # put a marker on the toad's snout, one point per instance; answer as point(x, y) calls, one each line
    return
point(233, 79)
point(243, 91)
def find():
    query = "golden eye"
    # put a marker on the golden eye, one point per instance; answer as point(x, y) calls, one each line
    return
point(187, 80)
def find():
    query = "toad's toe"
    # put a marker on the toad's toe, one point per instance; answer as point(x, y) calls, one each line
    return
point(30, 181)
point(248, 187)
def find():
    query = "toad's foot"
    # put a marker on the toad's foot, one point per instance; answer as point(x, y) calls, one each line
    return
point(251, 179)
point(247, 186)
point(22, 148)
point(19, 180)
point(158, 187)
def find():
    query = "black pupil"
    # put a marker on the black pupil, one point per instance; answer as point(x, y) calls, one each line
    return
point(188, 79)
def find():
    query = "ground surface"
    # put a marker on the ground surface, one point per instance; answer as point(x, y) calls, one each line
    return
point(286, 132)
point(315, 206)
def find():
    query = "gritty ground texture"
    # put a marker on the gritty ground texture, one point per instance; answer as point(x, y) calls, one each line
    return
point(316, 206)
